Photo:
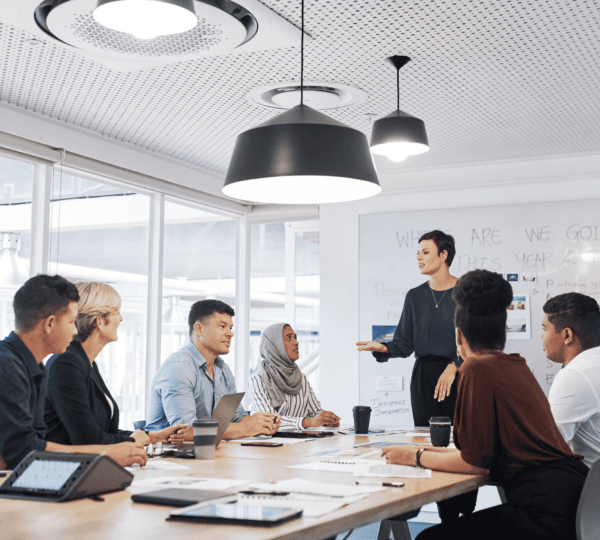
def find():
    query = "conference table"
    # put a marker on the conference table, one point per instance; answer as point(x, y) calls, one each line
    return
point(118, 517)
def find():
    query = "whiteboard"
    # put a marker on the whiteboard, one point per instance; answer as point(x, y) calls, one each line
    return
point(550, 248)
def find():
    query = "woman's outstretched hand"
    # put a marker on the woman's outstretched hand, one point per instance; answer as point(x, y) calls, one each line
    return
point(444, 384)
point(372, 346)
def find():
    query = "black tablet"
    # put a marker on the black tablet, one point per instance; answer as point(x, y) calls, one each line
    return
point(179, 496)
point(235, 513)
point(58, 476)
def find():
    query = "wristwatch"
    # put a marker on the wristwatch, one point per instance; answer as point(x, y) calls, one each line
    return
point(419, 452)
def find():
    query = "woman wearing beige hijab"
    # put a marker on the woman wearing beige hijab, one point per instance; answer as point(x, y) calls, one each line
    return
point(279, 387)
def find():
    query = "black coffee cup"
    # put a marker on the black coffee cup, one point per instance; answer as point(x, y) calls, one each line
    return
point(362, 415)
point(439, 430)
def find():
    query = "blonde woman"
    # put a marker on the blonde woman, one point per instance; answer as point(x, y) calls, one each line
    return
point(79, 408)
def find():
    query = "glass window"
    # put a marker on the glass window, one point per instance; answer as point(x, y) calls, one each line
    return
point(199, 263)
point(100, 232)
point(16, 189)
point(284, 287)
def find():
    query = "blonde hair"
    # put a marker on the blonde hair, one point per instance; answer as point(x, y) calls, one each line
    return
point(96, 300)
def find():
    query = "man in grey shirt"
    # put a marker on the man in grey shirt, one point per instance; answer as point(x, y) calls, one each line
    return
point(192, 380)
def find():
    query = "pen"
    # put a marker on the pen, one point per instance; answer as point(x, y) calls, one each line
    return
point(383, 484)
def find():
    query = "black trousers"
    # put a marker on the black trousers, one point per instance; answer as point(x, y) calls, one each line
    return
point(542, 505)
point(426, 372)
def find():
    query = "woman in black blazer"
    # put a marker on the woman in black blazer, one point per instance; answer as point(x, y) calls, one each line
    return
point(79, 408)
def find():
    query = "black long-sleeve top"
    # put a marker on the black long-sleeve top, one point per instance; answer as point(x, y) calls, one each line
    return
point(22, 427)
point(76, 408)
point(423, 328)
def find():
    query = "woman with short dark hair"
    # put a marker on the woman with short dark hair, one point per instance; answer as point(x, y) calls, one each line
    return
point(426, 328)
point(502, 424)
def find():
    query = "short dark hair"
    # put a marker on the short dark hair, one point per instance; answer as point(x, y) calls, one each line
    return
point(443, 242)
point(203, 310)
point(578, 312)
point(40, 297)
point(481, 300)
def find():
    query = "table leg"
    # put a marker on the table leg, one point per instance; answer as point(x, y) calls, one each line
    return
point(398, 526)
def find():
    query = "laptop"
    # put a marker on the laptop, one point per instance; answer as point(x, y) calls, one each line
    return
point(224, 412)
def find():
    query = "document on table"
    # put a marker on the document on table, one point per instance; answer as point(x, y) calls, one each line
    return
point(299, 485)
point(159, 463)
point(378, 469)
point(381, 444)
point(369, 468)
point(312, 505)
point(264, 438)
point(184, 482)
point(315, 498)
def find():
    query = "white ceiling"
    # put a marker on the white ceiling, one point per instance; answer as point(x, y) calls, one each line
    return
point(493, 80)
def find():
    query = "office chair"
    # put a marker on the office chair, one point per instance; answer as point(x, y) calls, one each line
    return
point(588, 516)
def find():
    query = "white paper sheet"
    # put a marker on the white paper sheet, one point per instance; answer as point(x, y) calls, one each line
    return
point(184, 482)
point(312, 505)
point(379, 469)
point(158, 464)
point(299, 485)
point(283, 440)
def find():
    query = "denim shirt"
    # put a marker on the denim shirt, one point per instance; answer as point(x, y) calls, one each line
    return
point(182, 391)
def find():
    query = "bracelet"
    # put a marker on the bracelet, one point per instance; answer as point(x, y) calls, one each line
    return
point(419, 452)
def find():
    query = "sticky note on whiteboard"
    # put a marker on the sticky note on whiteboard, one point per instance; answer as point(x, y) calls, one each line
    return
point(389, 384)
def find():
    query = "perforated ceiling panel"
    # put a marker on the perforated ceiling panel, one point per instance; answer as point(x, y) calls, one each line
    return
point(493, 80)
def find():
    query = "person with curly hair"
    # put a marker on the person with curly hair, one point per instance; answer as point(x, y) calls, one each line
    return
point(503, 424)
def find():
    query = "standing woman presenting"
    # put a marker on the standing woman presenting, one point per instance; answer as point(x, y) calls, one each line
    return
point(426, 328)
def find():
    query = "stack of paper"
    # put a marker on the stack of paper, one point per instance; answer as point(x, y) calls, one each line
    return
point(314, 498)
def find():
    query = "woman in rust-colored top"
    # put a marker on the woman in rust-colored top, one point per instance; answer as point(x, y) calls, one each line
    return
point(502, 424)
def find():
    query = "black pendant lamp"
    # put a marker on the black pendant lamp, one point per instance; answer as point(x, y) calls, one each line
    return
point(301, 157)
point(399, 134)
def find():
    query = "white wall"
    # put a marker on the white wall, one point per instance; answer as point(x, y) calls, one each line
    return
point(543, 180)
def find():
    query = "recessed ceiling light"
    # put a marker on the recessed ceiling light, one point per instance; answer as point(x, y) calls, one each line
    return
point(147, 19)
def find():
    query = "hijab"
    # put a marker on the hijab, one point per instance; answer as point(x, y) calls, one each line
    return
point(280, 374)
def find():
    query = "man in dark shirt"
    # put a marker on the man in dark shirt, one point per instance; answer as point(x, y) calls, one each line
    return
point(45, 312)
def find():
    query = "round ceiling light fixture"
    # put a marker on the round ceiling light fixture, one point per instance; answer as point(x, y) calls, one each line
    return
point(301, 156)
point(320, 95)
point(399, 134)
point(147, 19)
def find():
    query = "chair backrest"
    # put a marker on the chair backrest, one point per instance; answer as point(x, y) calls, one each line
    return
point(588, 510)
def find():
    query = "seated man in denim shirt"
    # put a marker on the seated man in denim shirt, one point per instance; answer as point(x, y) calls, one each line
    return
point(190, 383)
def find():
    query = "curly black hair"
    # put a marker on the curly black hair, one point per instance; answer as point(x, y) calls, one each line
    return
point(578, 312)
point(482, 298)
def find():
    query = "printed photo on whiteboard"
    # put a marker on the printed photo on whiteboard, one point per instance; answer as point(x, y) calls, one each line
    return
point(518, 318)
point(383, 334)
point(512, 277)
point(519, 302)
point(531, 278)
point(389, 384)
point(516, 325)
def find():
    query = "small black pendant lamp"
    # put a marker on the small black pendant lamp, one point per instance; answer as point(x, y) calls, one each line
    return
point(301, 157)
point(399, 134)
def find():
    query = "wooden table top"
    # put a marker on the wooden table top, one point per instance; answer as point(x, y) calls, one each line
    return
point(120, 518)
